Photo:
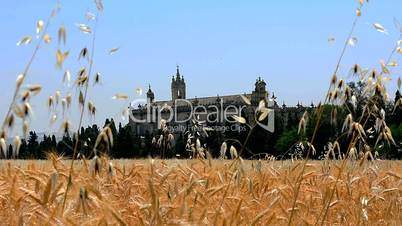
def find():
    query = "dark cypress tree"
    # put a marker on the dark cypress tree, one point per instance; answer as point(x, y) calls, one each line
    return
point(33, 145)
point(65, 145)
point(54, 142)
point(397, 114)
point(119, 146)
point(124, 145)
point(136, 142)
point(43, 147)
point(180, 147)
point(10, 151)
point(23, 153)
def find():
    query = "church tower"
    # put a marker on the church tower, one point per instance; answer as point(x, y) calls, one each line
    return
point(260, 92)
point(150, 95)
point(178, 86)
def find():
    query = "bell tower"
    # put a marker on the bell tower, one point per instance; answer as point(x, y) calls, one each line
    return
point(150, 95)
point(178, 86)
point(260, 92)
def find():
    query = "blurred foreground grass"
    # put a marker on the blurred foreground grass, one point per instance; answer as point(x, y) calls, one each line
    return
point(199, 192)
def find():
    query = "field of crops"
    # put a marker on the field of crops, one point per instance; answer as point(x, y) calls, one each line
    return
point(200, 192)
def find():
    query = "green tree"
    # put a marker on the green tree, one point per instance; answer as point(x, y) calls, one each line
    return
point(23, 153)
point(65, 146)
point(10, 151)
point(124, 146)
point(180, 146)
point(329, 128)
point(396, 150)
point(286, 141)
point(33, 146)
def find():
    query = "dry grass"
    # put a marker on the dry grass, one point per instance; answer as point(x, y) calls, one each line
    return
point(183, 192)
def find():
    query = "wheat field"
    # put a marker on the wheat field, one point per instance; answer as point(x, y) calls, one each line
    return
point(199, 192)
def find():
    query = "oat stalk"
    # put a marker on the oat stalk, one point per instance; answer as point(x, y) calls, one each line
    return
point(28, 66)
point(319, 116)
point(91, 60)
point(350, 146)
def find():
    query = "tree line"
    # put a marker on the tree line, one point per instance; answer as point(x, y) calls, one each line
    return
point(284, 143)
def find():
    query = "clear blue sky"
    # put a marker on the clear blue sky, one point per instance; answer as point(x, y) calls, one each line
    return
point(222, 47)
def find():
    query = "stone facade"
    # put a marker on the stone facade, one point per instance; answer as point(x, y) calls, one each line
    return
point(181, 108)
point(178, 86)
